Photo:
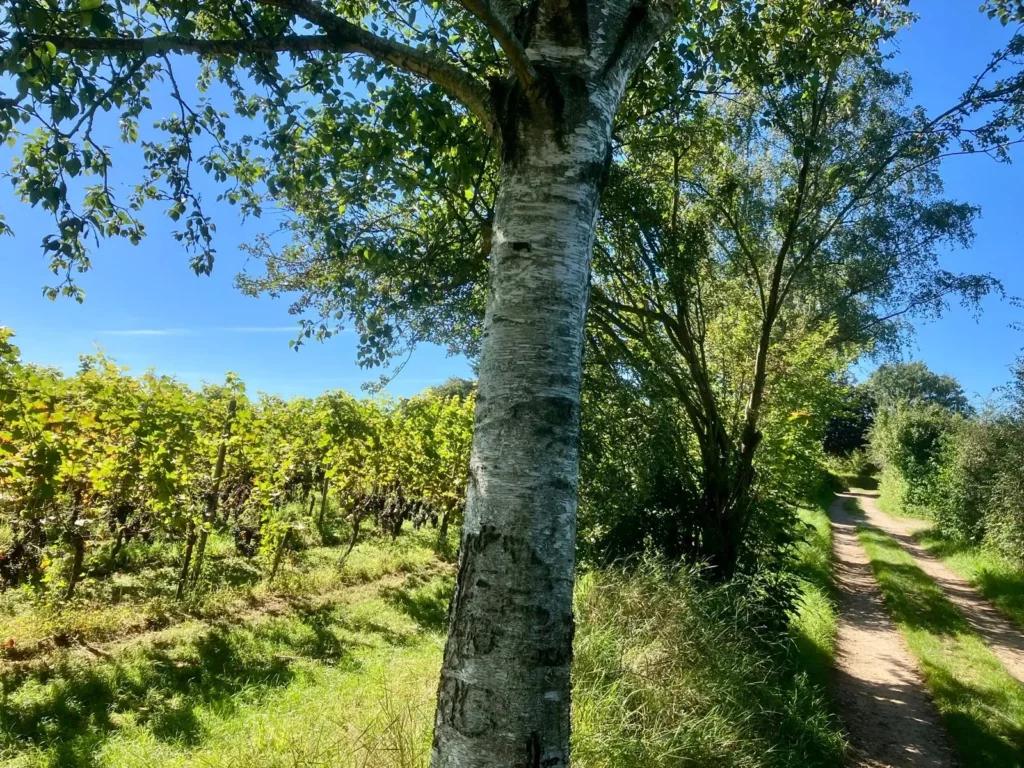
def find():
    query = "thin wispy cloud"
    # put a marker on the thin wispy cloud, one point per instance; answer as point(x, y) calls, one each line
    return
point(147, 332)
point(200, 331)
point(260, 329)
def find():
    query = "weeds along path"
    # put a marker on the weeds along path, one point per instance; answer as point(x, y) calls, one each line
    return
point(1004, 639)
point(878, 690)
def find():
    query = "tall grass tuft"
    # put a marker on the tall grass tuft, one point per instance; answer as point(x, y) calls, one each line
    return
point(669, 673)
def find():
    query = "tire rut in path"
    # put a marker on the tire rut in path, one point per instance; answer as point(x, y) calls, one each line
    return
point(881, 697)
point(1003, 638)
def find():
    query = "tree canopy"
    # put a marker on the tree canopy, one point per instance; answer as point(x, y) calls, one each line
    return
point(769, 215)
point(915, 384)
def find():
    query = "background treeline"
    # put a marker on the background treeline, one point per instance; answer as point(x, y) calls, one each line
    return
point(939, 456)
point(101, 469)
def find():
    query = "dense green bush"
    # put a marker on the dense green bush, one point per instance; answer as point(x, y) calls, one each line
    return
point(644, 480)
point(639, 482)
point(967, 472)
point(908, 442)
point(966, 480)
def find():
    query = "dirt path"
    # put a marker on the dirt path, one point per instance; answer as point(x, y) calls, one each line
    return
point(1004, 639)
point(879, 693)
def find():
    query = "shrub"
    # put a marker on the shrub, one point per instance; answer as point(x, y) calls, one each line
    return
point(1004, 517)
point(965, 471)
point(907, 442)
point(970, 453)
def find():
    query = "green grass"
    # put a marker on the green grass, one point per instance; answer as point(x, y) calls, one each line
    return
point(1000, 580)
point(141, 598)
point(327, 667)
point(814, 625)
point(981, 705)
point(997, 577)
point(339, 668)
point(669, 673)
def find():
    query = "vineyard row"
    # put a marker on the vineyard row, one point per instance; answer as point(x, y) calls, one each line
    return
point(93, 461)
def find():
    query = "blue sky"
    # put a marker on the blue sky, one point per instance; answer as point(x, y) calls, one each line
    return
point(950, 42)
point(147, 309)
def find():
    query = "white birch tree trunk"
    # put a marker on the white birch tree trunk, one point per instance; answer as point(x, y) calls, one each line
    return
point(504, 693)
point(504, 696)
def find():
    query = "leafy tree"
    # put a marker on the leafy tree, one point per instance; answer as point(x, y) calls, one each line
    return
point(907, 442)
point(1005, 513)
point(978, 494)
point(894, 383)
point(972, 454)
point(771, 211)
point(847, 430)
point(1005, 10)
point(453, 387)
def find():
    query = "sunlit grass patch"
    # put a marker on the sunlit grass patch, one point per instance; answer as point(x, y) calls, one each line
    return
point(814, 625)
point(141, 597)
point(346, 682)
point(981, 705)
point(665, 674)
point(999, 579)
point(339, 667)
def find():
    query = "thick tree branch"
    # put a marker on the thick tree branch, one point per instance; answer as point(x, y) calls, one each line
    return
point(509, 43)
point(351, 38)
point(340, 36)
point(161, 45)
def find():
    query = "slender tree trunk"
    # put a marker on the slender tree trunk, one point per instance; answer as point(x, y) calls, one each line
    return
point(442, 534)
point(213, 499)
point(279, 554)
point(323, 503)
point(504, 697)
point(357, 518)
point(186, 560)
point(197, 571)
point(115, 551)
point(77, 541)
point(78, 547)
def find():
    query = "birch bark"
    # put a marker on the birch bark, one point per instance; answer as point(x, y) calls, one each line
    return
point(504, 697)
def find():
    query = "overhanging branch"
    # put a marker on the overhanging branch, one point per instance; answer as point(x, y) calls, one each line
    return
point(161, 45)
point(340, 36)
point(352, 38)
